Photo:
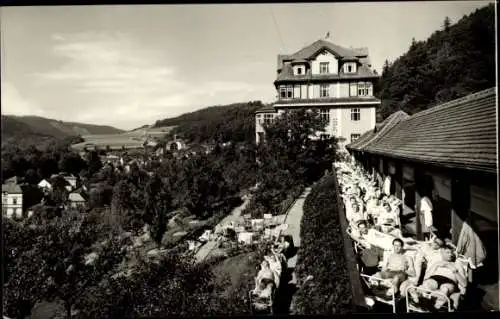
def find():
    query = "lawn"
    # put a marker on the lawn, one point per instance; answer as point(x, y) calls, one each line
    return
point(237, 272)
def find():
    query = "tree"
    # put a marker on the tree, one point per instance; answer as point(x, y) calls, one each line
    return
point(291, 156)
point(93, 162)
point(124, 208)
point(52, 265)
point(433, 71)
point(158, 205)
point(446, 24)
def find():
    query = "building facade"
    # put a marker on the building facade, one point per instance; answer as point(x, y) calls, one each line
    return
point(337, 81)
point(12, 200)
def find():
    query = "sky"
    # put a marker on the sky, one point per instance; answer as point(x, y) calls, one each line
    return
point(131, 65)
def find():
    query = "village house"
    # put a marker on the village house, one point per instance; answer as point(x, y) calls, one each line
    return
point(76, 200)
point(328, 77)
point(111, 159)
point(12, 199)
point(71, 179)
point(45, 186)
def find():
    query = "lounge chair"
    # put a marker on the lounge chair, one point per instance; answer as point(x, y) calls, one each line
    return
point(452, 302)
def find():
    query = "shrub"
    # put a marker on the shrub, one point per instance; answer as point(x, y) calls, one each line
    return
point(322, 255)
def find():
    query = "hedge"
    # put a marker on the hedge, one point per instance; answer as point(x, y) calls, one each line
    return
point(322, 255)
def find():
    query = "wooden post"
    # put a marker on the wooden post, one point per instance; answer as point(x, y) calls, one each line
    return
point(369, 166)
point(385, 167)
point(398, 182)
point(418, 185)
point(460, 203)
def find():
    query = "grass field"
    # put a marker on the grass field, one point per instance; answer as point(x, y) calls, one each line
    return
point(240, 270)
point(130, 139)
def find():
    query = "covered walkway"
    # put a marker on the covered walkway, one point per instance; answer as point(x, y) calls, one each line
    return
point(447, 157)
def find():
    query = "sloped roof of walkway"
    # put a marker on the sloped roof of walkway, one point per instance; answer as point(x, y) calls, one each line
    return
point(460, 134)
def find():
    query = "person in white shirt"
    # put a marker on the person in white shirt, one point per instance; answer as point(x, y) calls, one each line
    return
point(444, 275)
point(363, 234)
point(387, 216)
point(348, 205)
point(426, 220)
point(429, 254)
point(396, 267)
point(374, 209)
point(387, 185)
point(356, 214)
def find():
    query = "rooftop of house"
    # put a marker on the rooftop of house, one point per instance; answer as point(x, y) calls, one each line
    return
point(380, 130)
point(459, 134)
point(75, 197)
point(363, 72)
point(316, 47)
point(11, 188)
point(304, 55)
point(12, 180)
point(266, 109)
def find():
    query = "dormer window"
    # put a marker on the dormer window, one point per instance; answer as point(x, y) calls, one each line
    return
point(323, 68)
point(350, 67)
point(299, 71)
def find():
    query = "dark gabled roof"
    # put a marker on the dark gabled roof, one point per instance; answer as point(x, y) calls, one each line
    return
point(286, 75)
point(350, 58)
point(363, 138)
point(319, 45)
point(11, 188)
point(76, 197)
point(12, 180)
point(380, 130)
point(459, 134)
point(266, 109)
point(299, 61)
point(313, 49)
point(304, 102)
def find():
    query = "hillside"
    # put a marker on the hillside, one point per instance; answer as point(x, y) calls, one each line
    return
point(233, 122)
point(26, 126)
point(453, 62)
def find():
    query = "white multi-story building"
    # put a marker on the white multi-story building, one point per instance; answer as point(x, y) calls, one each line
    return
point(335, 80)
point(12, 200)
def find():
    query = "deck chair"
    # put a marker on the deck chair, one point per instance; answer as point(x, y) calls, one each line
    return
point(377, 289)
point(452, 302)
point(262, 305)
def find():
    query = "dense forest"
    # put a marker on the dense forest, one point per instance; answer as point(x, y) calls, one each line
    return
point(453, 62)
point(234, 122)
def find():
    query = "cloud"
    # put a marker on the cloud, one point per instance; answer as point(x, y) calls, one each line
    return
point(121, 80)
point(14, 103)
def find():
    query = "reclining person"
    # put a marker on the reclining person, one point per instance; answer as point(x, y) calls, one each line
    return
point(429, 254)
point(372, 254)
point(356, 214)
point(362, 233)
point(444, 276)
point(396, 267)
point(349, 204)
point(264, 281)
point(388, 219)
point(281, 247)
point(374, 207)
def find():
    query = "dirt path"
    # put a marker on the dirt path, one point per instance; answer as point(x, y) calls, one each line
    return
point(210, 245)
